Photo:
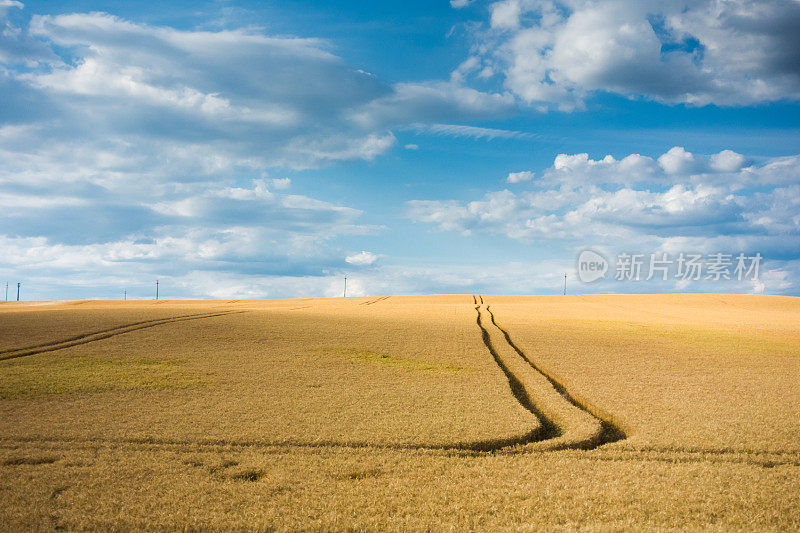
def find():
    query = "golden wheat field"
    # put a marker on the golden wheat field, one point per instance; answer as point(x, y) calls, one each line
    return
point(411, 413)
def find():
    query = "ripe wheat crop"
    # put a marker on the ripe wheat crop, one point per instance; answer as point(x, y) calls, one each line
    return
point(440, 412)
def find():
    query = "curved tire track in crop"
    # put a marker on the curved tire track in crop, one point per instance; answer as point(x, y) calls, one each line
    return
point(103, 334)
point(82, 335)
point(546, 429)
point(612, 431)
point(566, 422)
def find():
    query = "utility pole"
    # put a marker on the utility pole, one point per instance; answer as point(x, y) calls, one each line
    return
point(345, 287)
point(125, 295)
point(156, 289)
point(6, 291)
point(18, 286)
point(565, 284)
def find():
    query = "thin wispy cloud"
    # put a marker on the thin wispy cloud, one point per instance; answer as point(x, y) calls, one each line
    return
point(473, 132)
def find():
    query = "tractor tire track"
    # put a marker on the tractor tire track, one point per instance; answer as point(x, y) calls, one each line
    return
point(565, 423)
point(105, 334)
point(83, 335)
point(612, 431)
point(473, 449)
point(544, 428)
point(376, 300)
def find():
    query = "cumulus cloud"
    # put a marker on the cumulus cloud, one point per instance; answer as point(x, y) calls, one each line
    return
point(607, 202)
point(724, 52)
point(676, 161)
point(726, 168)
point(280, 183)
point(519, 177)
point(727, 161)
point(362, 258)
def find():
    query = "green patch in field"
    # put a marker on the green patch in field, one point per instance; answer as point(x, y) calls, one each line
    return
point(43, 375)
point(404, 363)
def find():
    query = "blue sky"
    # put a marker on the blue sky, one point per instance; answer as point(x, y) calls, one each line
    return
point(268, 149)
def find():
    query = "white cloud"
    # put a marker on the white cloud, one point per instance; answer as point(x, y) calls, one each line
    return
point(93, 238)
point(132, 148)
point(280, 183)
point(579, 202)
point(725, 52)
point(198, 89)
point(458, 4)
point(362, 258)
point(727, 161)
point(677, 161)
point(506, 14)
point(430, 102)
point(411, 147)
point(471, 132)
point(575, 168)
point(519, 177)
point(582, 200)
point(17, 47)
point(676, 166)
point(151, 102)
point(6, 5)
